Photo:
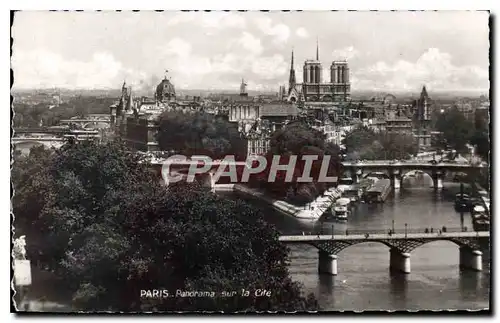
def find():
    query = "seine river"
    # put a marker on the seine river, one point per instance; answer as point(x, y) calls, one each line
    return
point(364, 282)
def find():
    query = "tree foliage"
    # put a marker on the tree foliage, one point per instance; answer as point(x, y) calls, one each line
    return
point(364, 143)
point(298, 139)
point(99, 218)
point(457, 131)
point(31, 116)
point(199, 134)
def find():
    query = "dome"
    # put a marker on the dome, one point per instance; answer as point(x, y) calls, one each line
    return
point(165, 91)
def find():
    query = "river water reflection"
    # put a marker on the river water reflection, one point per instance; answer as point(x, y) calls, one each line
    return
point(364, 282)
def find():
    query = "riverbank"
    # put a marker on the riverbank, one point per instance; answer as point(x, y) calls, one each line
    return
point(310, 211)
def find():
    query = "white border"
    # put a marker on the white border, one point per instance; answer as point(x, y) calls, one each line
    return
point(185, 5)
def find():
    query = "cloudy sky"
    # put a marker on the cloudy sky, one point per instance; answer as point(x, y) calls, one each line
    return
point(389, 51)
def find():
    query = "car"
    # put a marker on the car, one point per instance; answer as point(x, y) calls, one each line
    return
point(433, 162)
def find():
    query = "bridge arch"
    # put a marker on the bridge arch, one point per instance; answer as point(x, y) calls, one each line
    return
point(406, 246)
point(378, 174)
point(334, 247)
point(407, 173)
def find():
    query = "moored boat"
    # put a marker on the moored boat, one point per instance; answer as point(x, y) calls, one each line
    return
point(341, 209)
point(462, 202)
point(345, 183)
point(353, 193)
point(379, 191)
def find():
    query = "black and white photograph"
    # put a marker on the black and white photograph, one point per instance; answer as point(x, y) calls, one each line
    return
point(250, 161)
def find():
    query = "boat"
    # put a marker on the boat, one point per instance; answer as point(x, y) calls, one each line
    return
point(341, 209)
point(379, 191)
point(481, 224)
point(353, 192)
point(345, 183)
point(462, 202)
point(480, 218)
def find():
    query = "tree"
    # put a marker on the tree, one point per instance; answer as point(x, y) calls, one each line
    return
point(481, 138)
point(364, 143)
point(357, 138)
point(299, 139)
point(456, 129)
point(199, 133)
point(110, 229)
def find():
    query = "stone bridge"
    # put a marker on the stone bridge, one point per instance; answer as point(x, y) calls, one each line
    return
point(400, 245)
point(396, 170)
point(24, 144)
point(90, 122)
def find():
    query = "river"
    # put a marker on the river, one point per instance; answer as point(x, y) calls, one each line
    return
point(364, 282)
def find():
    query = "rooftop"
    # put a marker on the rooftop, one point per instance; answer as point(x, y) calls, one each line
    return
point(278, 110)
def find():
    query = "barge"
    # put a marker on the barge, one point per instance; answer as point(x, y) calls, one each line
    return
point(379, 191)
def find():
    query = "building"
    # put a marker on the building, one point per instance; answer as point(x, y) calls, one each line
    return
point(256, 121)
point(141, 132)
point(135, 121)
point(165, 91)
point(377, 125)
point(422, 120)
point(313, 88)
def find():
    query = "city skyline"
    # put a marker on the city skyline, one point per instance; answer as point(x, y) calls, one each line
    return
point(388, 51)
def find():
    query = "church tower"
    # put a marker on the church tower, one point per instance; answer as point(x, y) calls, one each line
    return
point(243, 88)
point(291, 81)
point(424, 105)
point(423, 119)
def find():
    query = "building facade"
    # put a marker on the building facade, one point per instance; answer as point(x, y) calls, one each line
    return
point(313, 87)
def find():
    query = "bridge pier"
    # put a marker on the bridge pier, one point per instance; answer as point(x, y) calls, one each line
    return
point(399, 261)
point(396, 182)
point(395, 176)
point(327, 263)
point(471, 259)
point(437, 179)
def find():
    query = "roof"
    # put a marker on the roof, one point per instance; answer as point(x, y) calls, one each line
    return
point(278, 110)
point(398, 119)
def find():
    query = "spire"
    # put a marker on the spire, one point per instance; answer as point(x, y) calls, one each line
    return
point(317, 49)
point(130, 102)
point(291, 80)
point(424, 94)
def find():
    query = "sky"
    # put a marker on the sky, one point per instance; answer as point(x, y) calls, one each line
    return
point(386, 51)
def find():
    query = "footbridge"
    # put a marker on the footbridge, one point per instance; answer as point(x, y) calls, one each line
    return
point(396, 170)
point(401, 244)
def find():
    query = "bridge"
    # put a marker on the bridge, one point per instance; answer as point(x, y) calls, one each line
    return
point(24, 144)
point(56, 132)
point(206, 170)
point(400, 244)
point(24, 140)
point(396, 170)
point(100, 121)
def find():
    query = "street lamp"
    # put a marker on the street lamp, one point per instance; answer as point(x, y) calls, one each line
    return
point(393, 231)
point(406, 230)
